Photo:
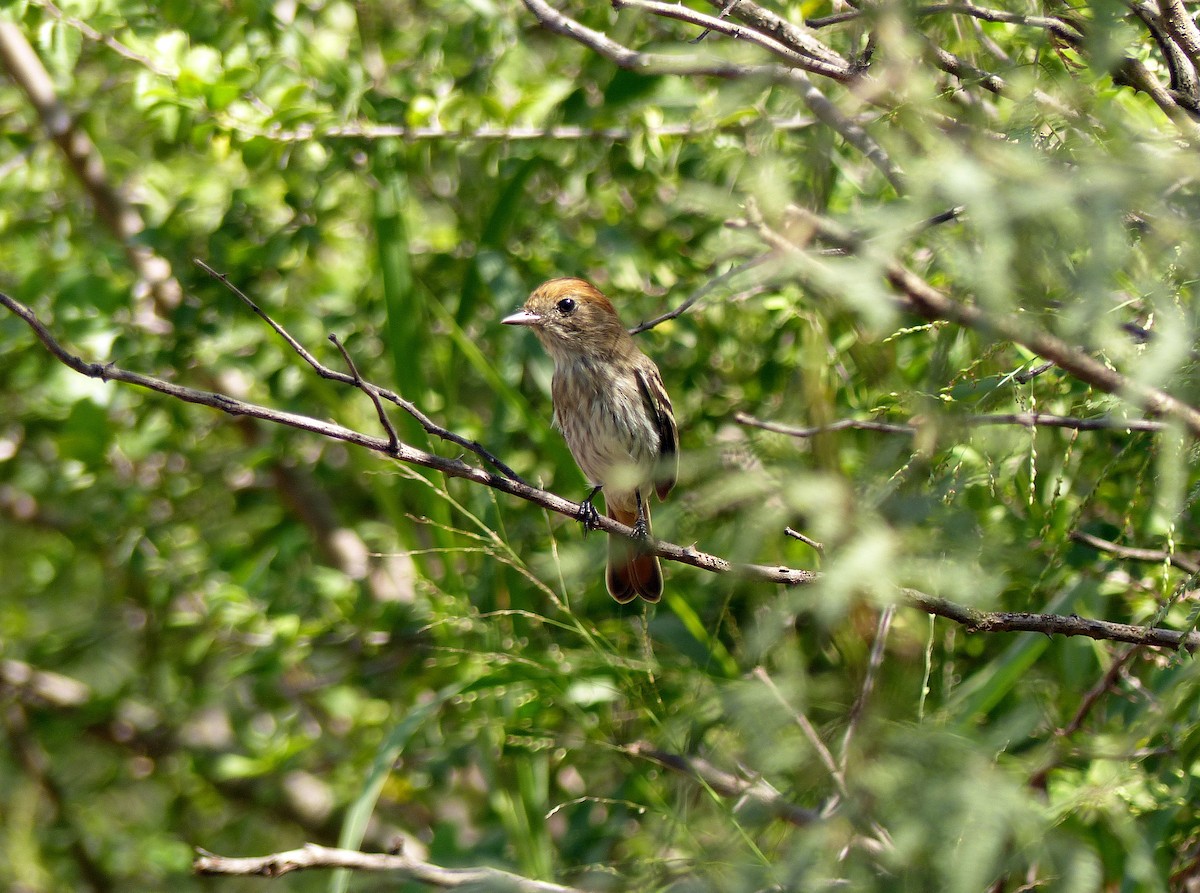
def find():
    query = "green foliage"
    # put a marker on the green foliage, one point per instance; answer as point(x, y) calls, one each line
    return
point(289, 639)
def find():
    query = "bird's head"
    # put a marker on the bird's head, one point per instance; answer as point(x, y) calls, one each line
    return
point(570, 316)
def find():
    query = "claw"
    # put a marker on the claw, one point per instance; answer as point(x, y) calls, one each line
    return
point(641, 529)
point(588, 516)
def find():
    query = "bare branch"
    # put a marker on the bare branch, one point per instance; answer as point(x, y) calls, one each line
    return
point(1185, 563)
point(805, 725)
point(707, 288)
point(1051, 624)
point(725, 11)
point(915, 295)
point(119, 217)
point(765, 21)
point(808, 541)
point(315, 856)
point(455, 468)
point(1055, 26)
point(840, 425)
point(1183, 72)
point(969, 617)
point(393, 437)
point(868, 684)
point(1133, 73)
point(653, 63)
point(1024, 419)
point(372, 390)
point(817, 64)
point(41, 687)
point(488, 133)
point(1182, 27)
point(1097, 691)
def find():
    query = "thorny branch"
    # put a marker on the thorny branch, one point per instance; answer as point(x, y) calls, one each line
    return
point(971, 618)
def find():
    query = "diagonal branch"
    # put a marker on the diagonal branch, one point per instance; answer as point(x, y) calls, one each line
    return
point(917, 296)
point(825, 63)
point(662, 64)
point(707, 288)
point(315, 856)
point(727, 784)
point(118, 215)
point(375, 392)
point(402, 452)
point(769, 23)
point(1056, 26)
point(1179, 23)
point(972, 618)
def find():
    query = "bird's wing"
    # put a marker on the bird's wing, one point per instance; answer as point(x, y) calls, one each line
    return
point(658, 404)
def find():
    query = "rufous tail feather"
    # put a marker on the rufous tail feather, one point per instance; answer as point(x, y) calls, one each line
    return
point(630, 571)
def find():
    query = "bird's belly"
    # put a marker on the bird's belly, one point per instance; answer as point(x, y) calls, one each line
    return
point(614, 443)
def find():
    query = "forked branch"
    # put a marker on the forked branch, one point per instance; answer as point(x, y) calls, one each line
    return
point(973, 619)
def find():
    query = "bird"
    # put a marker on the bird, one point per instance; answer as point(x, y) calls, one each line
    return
point(614, 413)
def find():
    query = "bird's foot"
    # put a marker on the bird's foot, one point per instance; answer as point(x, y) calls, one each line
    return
point(588, 516)
point(641, 527)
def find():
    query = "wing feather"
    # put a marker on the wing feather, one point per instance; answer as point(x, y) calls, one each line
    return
point(658, 404)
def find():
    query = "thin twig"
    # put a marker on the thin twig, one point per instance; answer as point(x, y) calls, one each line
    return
point(1097, 691)
point(1023, 419)
point(1155, 556)
point(393, 437)
point(771, 23)
point(1054, 25)
point(314, 856)
point(727, 784)
point(375, 390)
point(840, 425)
point(797, 535)
point(724, 13)
point(666, 64)
point(972, 618)
point(1027, 375)
point(708, 288)
point(804, 60)
point(868, 684)
point(516, 133)
point(917, 296)
point(823, 753)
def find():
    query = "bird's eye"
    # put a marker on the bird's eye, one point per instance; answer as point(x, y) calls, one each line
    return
point(566, 306)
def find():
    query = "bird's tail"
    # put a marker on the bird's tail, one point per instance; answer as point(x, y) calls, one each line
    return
point(631, 572)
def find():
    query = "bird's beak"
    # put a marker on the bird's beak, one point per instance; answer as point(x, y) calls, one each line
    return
point(522, 318)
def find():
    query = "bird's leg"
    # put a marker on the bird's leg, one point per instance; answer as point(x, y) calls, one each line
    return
point(588, 516)
point(641, 530)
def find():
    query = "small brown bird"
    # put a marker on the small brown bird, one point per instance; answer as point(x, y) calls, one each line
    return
point(612, 408)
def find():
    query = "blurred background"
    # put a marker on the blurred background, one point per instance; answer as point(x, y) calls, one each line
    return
point(224, 634)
